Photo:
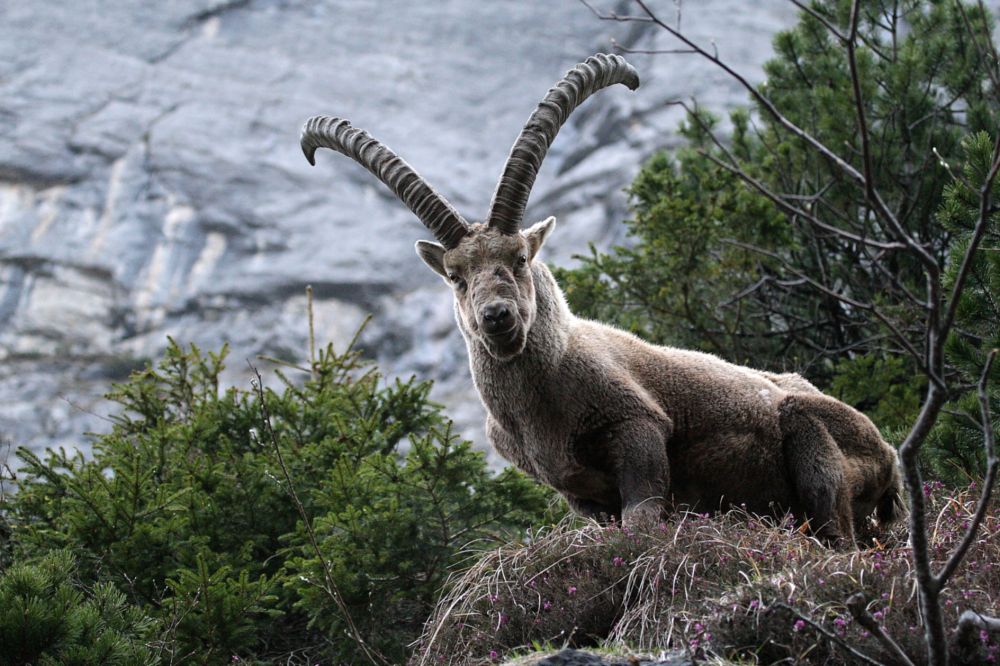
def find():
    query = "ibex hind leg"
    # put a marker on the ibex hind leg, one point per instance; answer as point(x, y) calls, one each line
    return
point(599, 511)
point(643, 468)
point(816, 469)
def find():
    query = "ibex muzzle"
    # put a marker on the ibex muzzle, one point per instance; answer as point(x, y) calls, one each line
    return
point(621, 427)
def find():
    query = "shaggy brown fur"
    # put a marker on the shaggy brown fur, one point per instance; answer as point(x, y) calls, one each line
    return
point(620, 426)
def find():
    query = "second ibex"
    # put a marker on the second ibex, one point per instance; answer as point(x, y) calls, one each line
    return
point(621, 427)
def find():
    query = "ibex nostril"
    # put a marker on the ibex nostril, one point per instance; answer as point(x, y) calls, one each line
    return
point(495, 312)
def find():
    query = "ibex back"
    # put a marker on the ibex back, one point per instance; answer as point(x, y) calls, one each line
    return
point(621, 427)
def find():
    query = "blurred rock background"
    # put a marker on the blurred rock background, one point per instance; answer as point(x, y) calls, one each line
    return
point(151, 183)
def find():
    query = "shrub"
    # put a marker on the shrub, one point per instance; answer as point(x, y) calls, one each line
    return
point(47, 617)
point(184, 508)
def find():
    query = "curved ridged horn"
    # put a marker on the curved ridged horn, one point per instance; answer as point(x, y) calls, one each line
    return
point(511, 196)
point(433, 209)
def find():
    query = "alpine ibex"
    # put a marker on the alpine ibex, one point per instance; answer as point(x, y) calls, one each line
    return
point(617, 425)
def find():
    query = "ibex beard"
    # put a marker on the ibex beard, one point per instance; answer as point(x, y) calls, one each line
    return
point(620, 427)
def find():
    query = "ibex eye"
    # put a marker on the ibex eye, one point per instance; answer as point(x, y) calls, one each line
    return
point(522, 259)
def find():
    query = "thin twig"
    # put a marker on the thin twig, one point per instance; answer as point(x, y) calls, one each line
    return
point(859, 105)
point(312, 332)
point(858, 606)
point(331, 587)
point(956, 176)
point(928, 261)
point(847, 300)
point(278, 361)
point(734, 167)
point(822, 19)
point(990, 71)
point(826, 633)
point(627, 49)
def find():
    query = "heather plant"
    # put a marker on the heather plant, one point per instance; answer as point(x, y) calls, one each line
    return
point(727, 587)
point(185, 511)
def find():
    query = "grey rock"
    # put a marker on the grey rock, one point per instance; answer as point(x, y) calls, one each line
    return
point(151, 182)
point(570, 657)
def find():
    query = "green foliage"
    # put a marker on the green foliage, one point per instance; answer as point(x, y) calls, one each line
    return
point(667, 286)
point(46, 617)
point(184, 508)
point(883, 387)
point(716, 264)
point(955, 449)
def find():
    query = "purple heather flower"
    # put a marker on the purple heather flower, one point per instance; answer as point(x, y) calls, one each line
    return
point(493, 655)
point(618, 561)
point(571, 590)
point(547, 605)
point(799, 625)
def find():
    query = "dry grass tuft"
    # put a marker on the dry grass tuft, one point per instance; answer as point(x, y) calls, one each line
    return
point(731, 585)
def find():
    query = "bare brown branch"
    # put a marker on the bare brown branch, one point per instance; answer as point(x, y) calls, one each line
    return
point(858, 607)
point(734, 167)
point(928, 261)
point(824, 289)
point(826, 633)
point(822, 19)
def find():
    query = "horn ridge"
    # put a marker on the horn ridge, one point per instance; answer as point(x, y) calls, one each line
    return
point(511, 196)
point(430, 207)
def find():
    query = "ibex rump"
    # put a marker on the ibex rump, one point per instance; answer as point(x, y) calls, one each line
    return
point(621, 427)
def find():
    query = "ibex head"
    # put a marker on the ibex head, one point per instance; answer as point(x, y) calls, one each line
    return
point(488, 265)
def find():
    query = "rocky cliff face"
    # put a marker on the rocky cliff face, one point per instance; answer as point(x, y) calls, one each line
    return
point(151, 182)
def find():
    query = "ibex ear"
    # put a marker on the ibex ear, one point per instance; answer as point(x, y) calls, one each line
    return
point(537, 234)
point(433, 256)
